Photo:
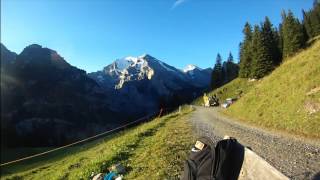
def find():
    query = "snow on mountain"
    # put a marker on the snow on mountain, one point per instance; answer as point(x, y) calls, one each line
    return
point(190, 67)
point(124, 63)
point(129, 61)
point(143, 83)
point(199, 77)
point(129, 69)
point(166, 66)
point(126, 89)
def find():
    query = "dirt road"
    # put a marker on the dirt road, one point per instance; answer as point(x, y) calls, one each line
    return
point(294, 157)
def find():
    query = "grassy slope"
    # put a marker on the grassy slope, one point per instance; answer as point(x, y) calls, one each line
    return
point(278, 101)
point(10, 154)
point(230, 90)
point(154, 150)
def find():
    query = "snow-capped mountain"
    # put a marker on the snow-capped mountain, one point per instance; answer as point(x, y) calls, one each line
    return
point(148, 83)
point(40, 90)
point(125, 69)
point(190, 67)
point(130, 69)
point(199, 77)
point(145, 67)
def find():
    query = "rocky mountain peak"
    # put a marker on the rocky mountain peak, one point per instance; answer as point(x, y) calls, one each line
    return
point(34, 46)
point(6, 55)
point(37, 55)
point(191, 67)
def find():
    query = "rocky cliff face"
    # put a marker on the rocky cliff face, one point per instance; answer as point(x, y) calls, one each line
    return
point(45, 98)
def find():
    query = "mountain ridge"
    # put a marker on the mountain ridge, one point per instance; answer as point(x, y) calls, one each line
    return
point(122, 67)
point(42, 90)
point(145, 83)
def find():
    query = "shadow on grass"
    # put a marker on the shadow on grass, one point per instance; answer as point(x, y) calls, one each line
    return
point(122, 157)
point(128, 152)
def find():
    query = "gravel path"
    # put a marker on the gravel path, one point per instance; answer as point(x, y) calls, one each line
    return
point(296, 158)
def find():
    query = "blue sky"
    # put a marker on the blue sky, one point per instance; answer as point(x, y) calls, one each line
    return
point(91, 34)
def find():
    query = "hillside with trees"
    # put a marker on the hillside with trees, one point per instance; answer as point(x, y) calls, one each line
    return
point(278, 84)
point(223, 72)
point(264, 47)
point(288, 99)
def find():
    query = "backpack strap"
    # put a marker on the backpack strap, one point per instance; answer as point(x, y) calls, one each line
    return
point(206, 140)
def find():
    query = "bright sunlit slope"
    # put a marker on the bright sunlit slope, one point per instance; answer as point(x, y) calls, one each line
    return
point(154, 150)
point(288, 99)
point(236, 88)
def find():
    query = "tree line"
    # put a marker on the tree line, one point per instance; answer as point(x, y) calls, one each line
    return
point(264, 47)
point(223, 73)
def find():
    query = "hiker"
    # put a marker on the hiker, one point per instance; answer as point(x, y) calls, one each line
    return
point(206, 100)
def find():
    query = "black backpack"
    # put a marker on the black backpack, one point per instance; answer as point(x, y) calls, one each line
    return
point(209, 162)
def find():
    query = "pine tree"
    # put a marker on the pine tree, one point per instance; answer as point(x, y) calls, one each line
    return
point(216, 76)
point(270, 36)
point(314, 18)
point(277, 46)
point(280, 41)
point(218, 61)
point(311, 20)
point(240, 51)
point(246, 52)
point(292, 31)
point(305, 34)
point(230, 70)
point(230, 58)
point(262, 62)
point(307, 24)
